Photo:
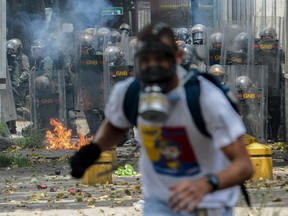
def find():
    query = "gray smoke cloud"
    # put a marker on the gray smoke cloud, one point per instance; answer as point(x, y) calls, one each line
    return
point(87, 13)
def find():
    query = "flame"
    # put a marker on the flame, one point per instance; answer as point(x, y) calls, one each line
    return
point(60, 138)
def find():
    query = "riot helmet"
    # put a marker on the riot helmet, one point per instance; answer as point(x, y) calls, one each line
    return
point(188, 55)
point(216, 40)
point(14, 46)
point(241, 42)
point(115, 37)
point(86, 43)
point(91, 31)
point(103, 36)
point(38, 48)
point(182, 34)
point(243, 82)
point(125, 27)
point(199, 41)
point(268, 33)
point(218, 71)
point(115, 55)
point(198, 34)
point(86, 40)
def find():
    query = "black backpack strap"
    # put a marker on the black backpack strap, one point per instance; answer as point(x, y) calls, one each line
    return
point(224, 88)
point(131, 100)
point(245, 194)
point(192, 90)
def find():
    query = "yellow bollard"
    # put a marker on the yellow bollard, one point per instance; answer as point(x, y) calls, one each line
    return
point(261, 158)
point(114, 155)
point(103, 164)
point(249, 139)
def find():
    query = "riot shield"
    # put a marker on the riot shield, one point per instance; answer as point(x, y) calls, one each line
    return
point(7, 101)
point(200, 43)
point(250, 87)
point(103, 37)
point(238, 41)
point(47, 95)
point(91, 82)
point(117, 66)
point(268, 52)
point(215, 40)
point(89, 92)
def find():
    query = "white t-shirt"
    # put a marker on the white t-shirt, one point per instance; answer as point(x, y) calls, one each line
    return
point(176, 150)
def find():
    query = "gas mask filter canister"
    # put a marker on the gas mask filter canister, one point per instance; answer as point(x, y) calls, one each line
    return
point(154, 105)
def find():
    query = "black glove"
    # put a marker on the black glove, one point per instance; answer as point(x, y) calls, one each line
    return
point(84, 158)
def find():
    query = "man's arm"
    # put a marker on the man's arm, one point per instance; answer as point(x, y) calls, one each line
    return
point(187, 192)
point(108, 135)
point(240, 168)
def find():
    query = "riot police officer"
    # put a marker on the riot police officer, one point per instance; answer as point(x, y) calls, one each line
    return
point(125, 28)
point(238, 55)
point(64, 66)
point(199, 41)
point(90, 78)
point(19, 70)
point(215, 48)
point(268, 53)
point(183, 34)
point(189, 56)
point(42, 64)
point(244, 86)
point(102, 39)
point(43, 104)
point(218, 71)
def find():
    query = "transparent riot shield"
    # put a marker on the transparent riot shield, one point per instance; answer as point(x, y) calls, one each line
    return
point(201, 46)
point(116, 67)
point(91, 82)
point(102, 38)
point(215, 40)
point(268, 52)
point(89, 90)
point(7, 100)
point(250, 87)
point(238, 40)
point(47, 95)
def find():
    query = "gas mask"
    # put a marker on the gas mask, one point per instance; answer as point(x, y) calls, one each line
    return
point(155, 104)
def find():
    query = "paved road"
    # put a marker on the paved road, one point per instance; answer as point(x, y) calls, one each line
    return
point(19, 194)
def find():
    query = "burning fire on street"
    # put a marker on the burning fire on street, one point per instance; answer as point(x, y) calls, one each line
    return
point(60, 137)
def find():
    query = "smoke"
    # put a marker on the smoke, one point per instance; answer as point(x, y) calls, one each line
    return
point(87, 13)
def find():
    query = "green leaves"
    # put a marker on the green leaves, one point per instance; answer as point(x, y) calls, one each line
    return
point(128, 170)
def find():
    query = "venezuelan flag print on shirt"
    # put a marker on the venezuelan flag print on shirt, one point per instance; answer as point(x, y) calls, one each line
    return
point(169, 150)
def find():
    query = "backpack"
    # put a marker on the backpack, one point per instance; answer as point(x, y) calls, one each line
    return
point(192, 91)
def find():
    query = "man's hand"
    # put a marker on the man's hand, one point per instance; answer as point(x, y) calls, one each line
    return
point(84, 158)
point(186, 195)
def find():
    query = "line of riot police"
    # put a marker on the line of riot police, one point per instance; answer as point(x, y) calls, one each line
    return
point(69, 72)
point(250, 66)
